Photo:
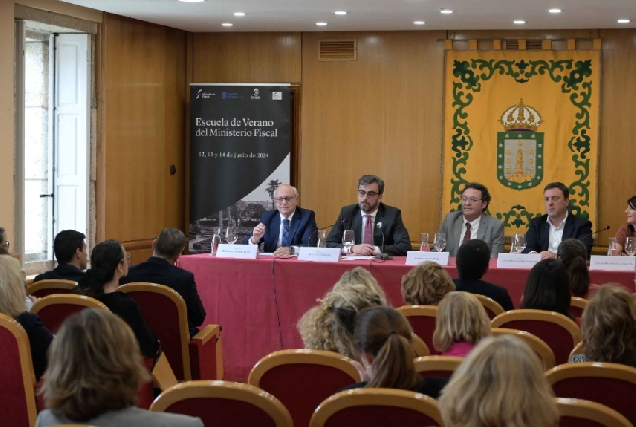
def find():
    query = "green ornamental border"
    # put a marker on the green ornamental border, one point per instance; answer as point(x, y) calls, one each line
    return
point(575, 79)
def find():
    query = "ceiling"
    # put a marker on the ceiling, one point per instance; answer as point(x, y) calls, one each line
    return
point(372, 15)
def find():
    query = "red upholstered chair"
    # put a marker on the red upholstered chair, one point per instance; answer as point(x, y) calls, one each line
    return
point(377, 407)
point(581, 413)
point(17, 394)
point(420, 347)
point(422, 319)
point(556, 330)
point(167, 316)
point(45, 288)
point(437, 366)
point(301, 379)
point(224, 404)
point(609, 384)
point(492, 307)
point(54, 309)
point(537, 344)
point(577, 305)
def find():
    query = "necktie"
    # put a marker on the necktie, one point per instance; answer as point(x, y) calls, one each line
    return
point(285, 240)
point(467, 234)
point(368, 230)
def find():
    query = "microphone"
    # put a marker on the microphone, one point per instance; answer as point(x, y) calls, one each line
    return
point(382, 255)
point(596, 232)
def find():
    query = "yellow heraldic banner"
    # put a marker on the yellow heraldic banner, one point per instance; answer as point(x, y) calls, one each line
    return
point(516, 121)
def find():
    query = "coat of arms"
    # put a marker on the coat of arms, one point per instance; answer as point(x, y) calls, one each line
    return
point(520, 148)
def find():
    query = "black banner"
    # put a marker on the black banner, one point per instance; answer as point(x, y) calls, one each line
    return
point(240, 145)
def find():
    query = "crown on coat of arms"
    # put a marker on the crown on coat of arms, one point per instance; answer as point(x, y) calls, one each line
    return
point(521, 117)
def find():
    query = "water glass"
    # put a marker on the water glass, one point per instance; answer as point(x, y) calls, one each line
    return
point(612, 250)
point(348, 240)
point(230, 235)
point(216, 239)
point(322, 239)
point(519, 242)
point(439, 242)
point(424, 246)
point(630, 246)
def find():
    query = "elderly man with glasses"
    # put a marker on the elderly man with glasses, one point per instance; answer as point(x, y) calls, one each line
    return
point(373, 223)
point(473, 223)
point(282, 231)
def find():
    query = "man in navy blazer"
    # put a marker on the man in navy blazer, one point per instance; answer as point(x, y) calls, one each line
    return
point(160, 269)
point(284, 230)
point(547, 231)
point(369, 220)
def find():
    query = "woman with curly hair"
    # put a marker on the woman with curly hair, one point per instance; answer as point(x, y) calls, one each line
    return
point(330, 324)
point(426, 284)
point(608, 327)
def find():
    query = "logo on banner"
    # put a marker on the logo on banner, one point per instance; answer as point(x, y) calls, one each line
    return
point(277, 96)
point(520, 148)
point(255, 96)
point(204, 95)
point(229, 95)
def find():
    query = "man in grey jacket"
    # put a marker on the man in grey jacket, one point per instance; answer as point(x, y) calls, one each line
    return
point(472, 223)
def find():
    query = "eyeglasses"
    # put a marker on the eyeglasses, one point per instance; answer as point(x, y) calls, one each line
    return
point(471, 199)
point(362, 193)
point(285, 199)
point(126, 257)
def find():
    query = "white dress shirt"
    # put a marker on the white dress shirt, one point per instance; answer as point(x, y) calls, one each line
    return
point(474, 227)
point(556, 233)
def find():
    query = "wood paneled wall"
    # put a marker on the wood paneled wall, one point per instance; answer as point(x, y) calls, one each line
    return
point(142, 83)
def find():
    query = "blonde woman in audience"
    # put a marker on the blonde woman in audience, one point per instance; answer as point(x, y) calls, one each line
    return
point(13, 304)
point(95, 369)
point(383, 337)
point(500, 383)
point(608, 327)
point(460, 324)
point(426, 284)
point(330, 324)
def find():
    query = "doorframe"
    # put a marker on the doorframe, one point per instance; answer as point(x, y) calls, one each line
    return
point(20, 106)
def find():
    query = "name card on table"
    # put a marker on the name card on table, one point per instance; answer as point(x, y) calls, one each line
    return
point(517, 260)
point(319, 254)
point(418, 257)
point(613, 263)
point(237, 251)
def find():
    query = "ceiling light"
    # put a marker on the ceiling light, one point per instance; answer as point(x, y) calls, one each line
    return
point(340, 12)
point(191, 1)
point(322, 24)
point(418, 22)
point(239, 13)
point(446, 11)
point(227, 24)
point(555, 10)
point(519, 21)
point(624, 21)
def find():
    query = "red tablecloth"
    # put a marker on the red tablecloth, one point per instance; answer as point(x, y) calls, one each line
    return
point(258, 302)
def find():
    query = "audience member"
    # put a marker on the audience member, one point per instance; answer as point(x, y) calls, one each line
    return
point(573, 254)
point(13, 304)
point(547, 288)
point(627, 230)
point(71, 255)
point(472, 262)
point(93, 376)
point(109, 263)
point(608, 327)
point(461, 323)
point(330, 324)
point(4, 243)
point(500, 383)
point(426, 284)
point(160, 268)
point(383, 337)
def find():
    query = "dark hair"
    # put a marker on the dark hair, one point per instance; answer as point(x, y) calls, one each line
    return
point(472, 259)
point(485, 195)
point(632, 204)
point(561, 186)
point(547, 288)
point(170, 242)
point(66, 243)
point(387, 335)
point(104, 261)
point(573, 254)
point(372, 179)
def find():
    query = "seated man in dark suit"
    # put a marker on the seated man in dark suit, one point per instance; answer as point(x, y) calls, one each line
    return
point(160, 269)
point(71, 255)
point(370, 219)
point(472, 263)
point(284, 230)
point(546, 232)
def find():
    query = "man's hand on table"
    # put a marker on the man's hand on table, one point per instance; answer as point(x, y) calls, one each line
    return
point(282, 251)
point(363, 249)
point(548, 255)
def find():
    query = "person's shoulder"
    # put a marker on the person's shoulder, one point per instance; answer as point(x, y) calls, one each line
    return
point(349, 208)
point(27, 319)
point(141, 417)
point(491, 220)
point(303, 212)
point(267, 216)
point(388, 209)
point(494, 287)
point(579, 219)
point(433, 386)
point(45, 276)
point(46, 418)
point(539, 219)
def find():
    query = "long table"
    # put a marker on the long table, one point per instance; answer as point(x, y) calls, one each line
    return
point(258, 302)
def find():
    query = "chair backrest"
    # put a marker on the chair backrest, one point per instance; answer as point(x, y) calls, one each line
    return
point(537, 344)
point(492, 307)
point(51, 287)
point(609, 384)
point(166, 314)
point(54, 309)
point(224, 404)
point(420, 347)
point(582, 413)
point(437, 366)
point(379, 407)
point(422, 319)
point(577, 305)
point(17, 394)
point(556, 330)
point(579, 349)
point(301, 379)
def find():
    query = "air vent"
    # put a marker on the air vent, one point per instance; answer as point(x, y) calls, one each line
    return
point(337, 50)
point(511, 45)
point(534, 44)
